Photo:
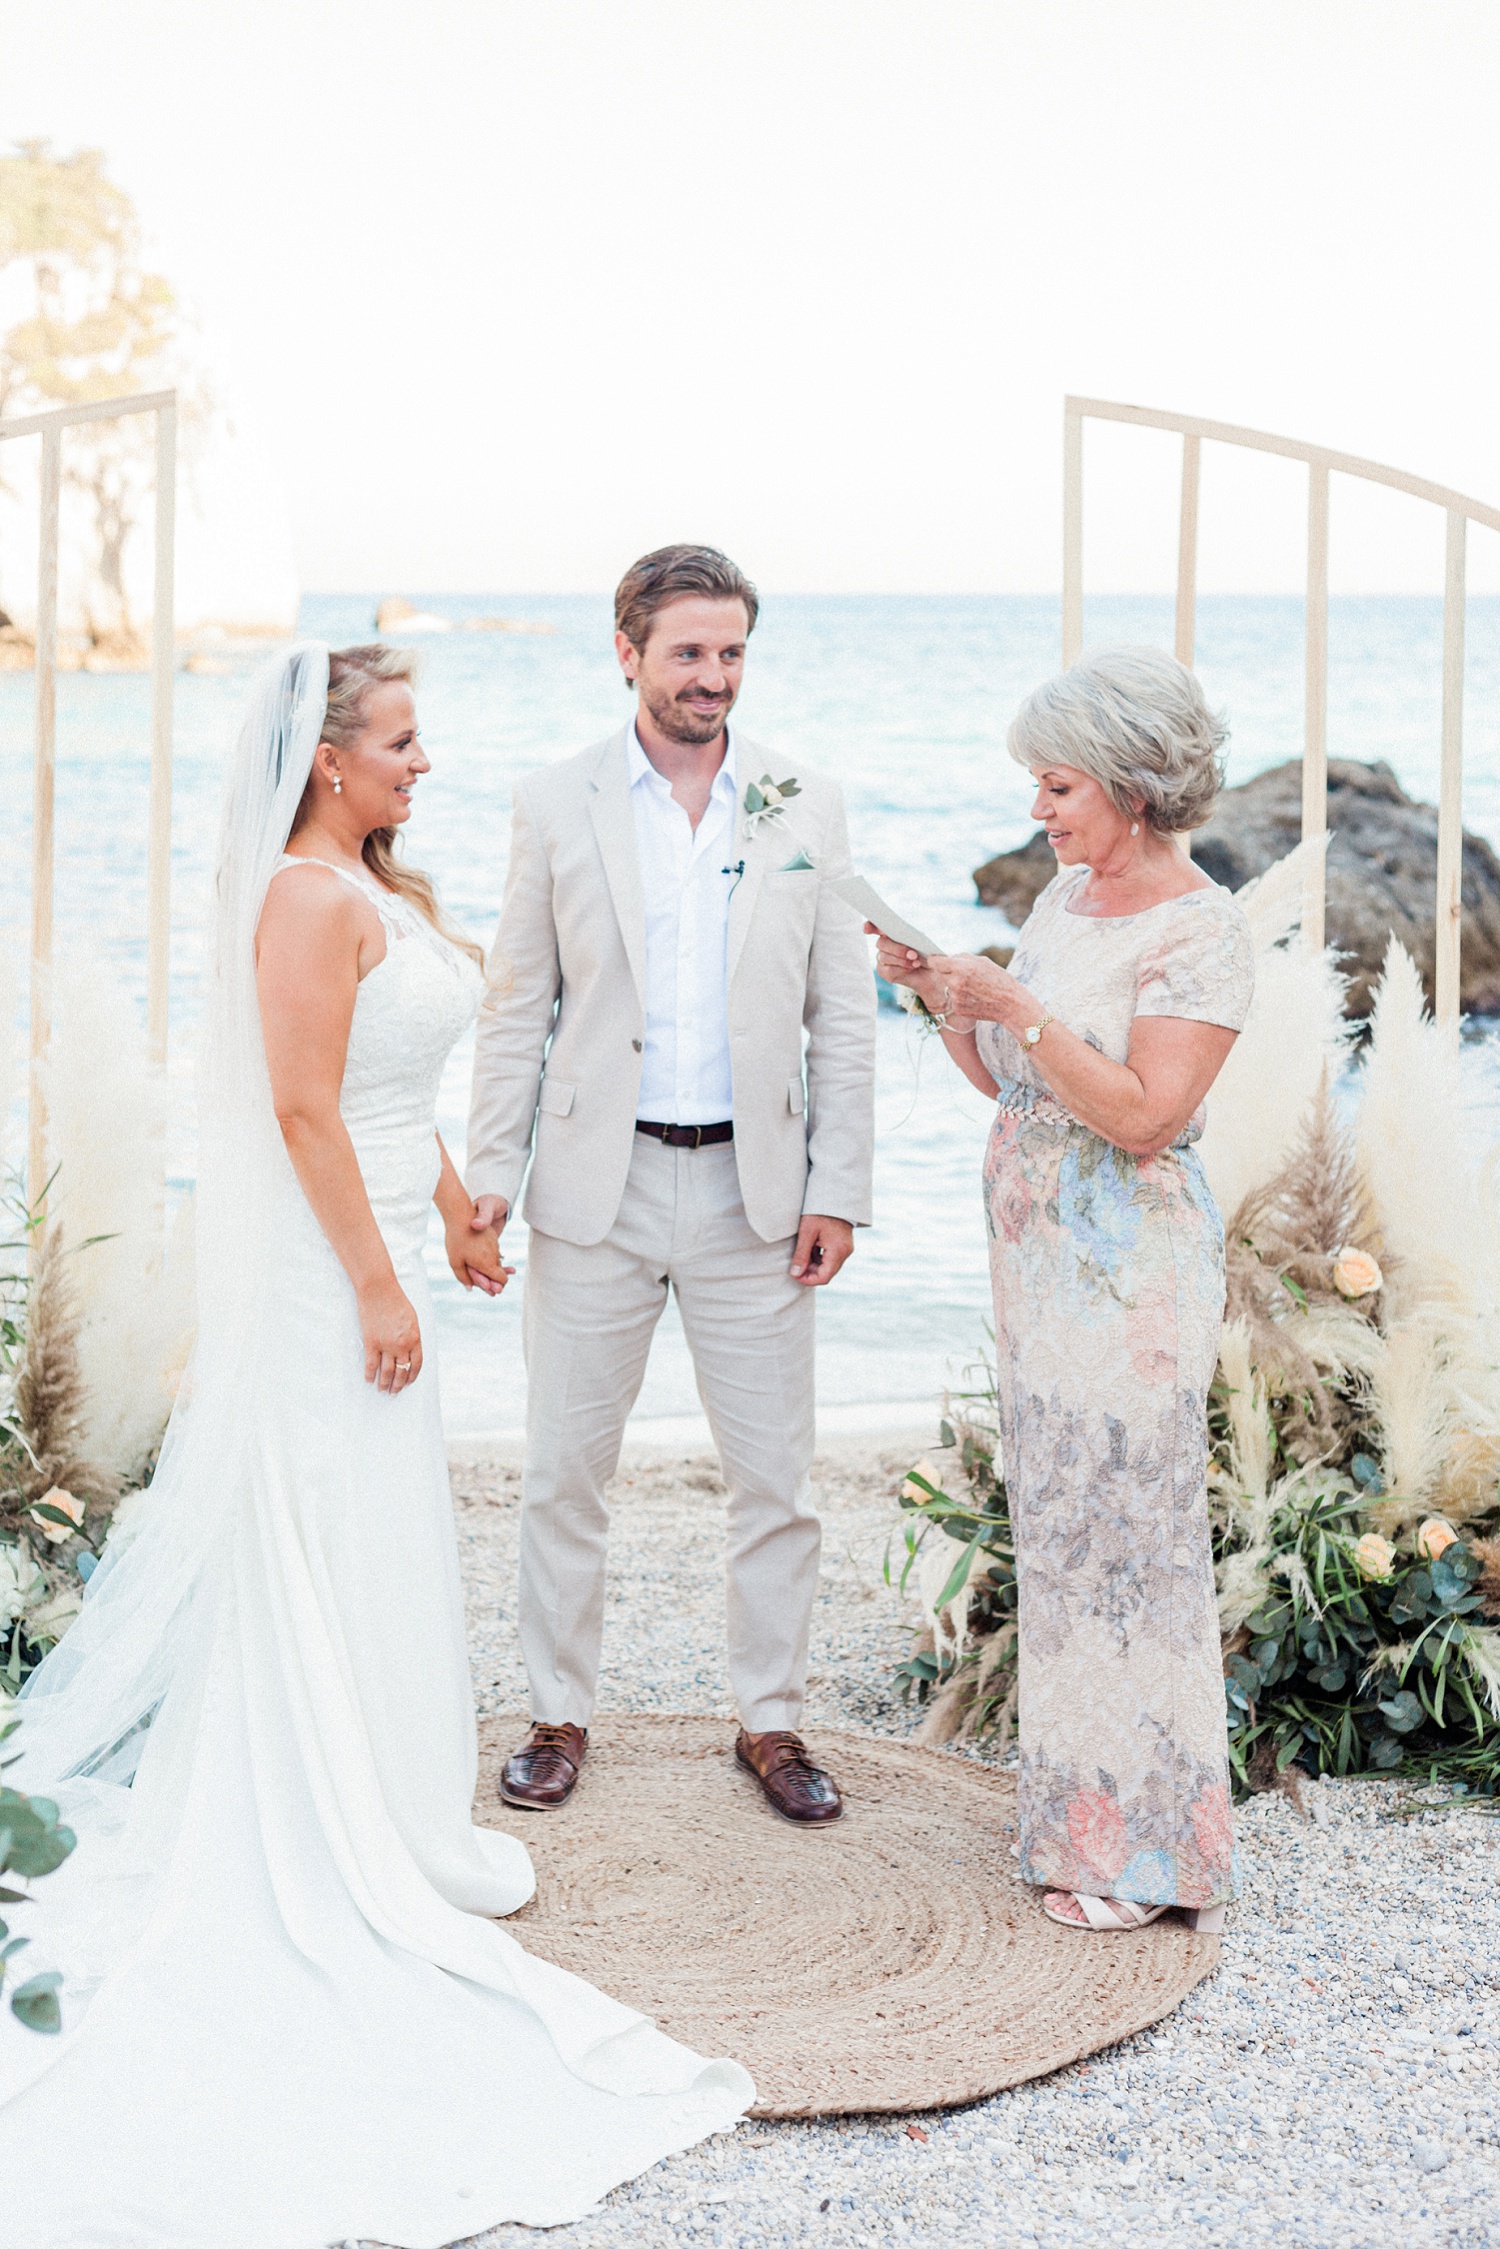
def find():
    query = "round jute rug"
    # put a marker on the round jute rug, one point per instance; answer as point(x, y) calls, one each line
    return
point(890, 1961)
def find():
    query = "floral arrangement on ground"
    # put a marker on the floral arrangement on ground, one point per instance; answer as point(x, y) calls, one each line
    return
point(95, 1313)
point(1354, 1477)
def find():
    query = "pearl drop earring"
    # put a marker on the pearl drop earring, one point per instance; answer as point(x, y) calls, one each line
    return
point(1135, 825)
point(338, 790)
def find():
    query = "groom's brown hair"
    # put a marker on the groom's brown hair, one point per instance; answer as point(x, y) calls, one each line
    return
point(668, 574)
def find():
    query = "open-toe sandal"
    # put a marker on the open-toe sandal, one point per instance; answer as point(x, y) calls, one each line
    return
point(1117, 1914)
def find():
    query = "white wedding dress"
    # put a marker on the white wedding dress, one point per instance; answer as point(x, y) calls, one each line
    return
point(288, 2018)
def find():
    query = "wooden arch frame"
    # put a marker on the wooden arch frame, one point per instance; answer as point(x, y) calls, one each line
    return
point(1321, 463)
point(49, 427)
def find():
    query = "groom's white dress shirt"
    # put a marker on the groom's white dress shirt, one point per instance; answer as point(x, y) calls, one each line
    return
point(686, 878)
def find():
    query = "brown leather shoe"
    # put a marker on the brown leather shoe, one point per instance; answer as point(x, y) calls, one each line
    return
point(793, 1784)
point(543, 1773)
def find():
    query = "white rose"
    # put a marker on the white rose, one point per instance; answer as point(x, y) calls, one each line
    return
point(772, 794)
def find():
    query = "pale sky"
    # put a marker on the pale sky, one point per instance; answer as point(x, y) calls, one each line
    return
point(501, 293)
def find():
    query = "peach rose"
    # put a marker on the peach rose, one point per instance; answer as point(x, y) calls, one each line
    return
point(1374, 1556)
point(1435, 1537)
point(66, 1504)
point(1355, 1273)
point(913, 1491)
point(1096, 1829)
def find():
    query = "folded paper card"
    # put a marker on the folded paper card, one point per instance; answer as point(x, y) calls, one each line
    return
point(867, 902)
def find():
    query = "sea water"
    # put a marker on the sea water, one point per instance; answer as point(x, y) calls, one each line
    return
point(905, 701)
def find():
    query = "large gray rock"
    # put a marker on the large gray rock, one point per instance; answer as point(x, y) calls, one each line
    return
point(1382, 872)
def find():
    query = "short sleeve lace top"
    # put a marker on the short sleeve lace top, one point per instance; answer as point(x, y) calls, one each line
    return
point(1191, 957)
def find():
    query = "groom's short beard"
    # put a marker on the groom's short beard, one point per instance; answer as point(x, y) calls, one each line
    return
point(679, 723)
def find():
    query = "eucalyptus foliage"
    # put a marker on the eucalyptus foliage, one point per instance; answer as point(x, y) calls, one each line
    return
point(32, 1843)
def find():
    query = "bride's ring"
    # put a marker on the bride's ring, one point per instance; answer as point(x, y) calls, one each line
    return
point(403, 1366)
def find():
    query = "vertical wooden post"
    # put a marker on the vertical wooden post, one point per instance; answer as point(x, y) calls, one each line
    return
point(163, 662)
point(1072, 601)
point(1315, 726)
point(1449, 923)
point(1187, 574)
point(1187, 553)
point(41, 815)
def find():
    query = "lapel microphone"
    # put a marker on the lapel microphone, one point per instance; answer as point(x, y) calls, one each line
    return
point(736, 870)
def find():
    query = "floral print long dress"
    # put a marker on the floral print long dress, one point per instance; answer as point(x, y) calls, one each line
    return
point(1108, 1274)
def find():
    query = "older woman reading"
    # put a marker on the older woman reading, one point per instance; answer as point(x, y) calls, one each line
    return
point(1126, 991)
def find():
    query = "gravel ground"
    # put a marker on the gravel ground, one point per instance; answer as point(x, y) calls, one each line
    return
point(1336, 2081)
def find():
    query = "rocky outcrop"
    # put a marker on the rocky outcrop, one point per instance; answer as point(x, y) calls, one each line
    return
point(1014, 880)
point(398, 616)
point(1382, 872)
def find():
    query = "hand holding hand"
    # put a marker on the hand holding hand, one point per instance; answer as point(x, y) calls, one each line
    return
point(392, 1338)
point(474, 1255)
point(823, 1244)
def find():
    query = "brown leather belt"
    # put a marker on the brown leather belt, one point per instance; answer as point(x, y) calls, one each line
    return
point(687, 1136)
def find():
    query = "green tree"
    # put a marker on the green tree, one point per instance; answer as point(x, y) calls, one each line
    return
point(94, 322)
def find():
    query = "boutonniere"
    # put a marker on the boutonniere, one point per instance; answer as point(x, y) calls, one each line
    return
point(766, 799)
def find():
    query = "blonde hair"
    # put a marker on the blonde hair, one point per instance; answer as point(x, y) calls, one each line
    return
point(353, 676)
point(1138, 722)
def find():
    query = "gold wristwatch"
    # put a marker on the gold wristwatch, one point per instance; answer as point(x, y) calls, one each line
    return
point(1034, 1031)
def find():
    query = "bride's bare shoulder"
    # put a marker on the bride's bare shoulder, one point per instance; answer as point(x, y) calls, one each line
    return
point(311, 905)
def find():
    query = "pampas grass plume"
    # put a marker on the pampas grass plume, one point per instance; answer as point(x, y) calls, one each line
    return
point(1413, 1154)
point(1294, 1032)
point(106, 1124)
point(12, 1132)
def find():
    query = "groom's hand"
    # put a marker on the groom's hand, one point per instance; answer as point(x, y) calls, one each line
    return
point(822, 1246)
point(490, 1211)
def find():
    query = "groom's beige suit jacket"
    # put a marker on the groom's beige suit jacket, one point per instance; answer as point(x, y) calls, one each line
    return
point(561, 1031)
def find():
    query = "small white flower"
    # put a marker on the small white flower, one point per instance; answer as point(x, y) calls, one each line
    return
point(766, 799)
point(21, 1582)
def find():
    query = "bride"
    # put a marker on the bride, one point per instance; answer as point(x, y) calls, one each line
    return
point(289, 2018)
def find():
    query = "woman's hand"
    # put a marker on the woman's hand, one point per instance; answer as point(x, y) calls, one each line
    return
point(471, 1231)
point(393, 1340)
point(982, 991)
point(898, 964)
point(474, 1253)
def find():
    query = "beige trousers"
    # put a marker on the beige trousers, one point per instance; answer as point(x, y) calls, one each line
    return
point(589, 1318)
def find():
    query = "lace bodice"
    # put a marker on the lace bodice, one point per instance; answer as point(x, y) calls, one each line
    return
point(1191, 957)
point(409, 1012)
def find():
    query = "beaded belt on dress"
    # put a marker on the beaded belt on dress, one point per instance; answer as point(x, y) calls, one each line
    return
point(1012, 1099)
point(1035, 1102)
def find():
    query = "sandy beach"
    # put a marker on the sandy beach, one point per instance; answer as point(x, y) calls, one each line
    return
point(1335, 2082)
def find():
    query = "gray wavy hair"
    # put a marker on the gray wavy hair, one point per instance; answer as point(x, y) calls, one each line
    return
point(1137, 722)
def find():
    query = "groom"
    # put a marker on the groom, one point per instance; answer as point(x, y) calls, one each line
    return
point(664, 945)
